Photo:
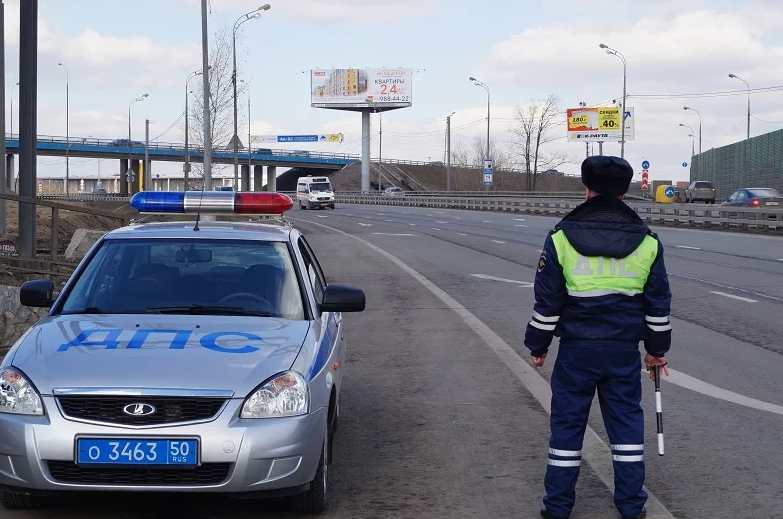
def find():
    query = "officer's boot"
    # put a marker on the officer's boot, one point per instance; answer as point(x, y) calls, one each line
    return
point(546, 514)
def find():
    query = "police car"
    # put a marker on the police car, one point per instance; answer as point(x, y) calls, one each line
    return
point(196, 356)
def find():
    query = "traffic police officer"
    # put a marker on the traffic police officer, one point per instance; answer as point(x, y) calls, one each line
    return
point(601, 286)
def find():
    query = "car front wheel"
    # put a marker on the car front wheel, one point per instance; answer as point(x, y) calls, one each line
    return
point(314, 500)
point(19, 500)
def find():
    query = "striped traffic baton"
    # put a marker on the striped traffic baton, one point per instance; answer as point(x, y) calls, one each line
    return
point(658, 408)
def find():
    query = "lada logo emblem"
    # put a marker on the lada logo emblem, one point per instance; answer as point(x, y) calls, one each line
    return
point(139, 409)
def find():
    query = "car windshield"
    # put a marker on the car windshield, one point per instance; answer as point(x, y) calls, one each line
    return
point(322, 187)
point(211, 277)
point(764, 193)
point(703, 185)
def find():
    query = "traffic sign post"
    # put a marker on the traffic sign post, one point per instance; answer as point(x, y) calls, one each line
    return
point(645, 175)
point(488, 171)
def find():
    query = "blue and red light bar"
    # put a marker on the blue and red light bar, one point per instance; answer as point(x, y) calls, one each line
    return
point(205, 202)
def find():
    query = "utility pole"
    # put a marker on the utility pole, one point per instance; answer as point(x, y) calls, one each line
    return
point(207, 115)
point(28, 116)
point(380, 150)
point(5, 185)
point(249, 148)
point(448, 153)
point(147, 172)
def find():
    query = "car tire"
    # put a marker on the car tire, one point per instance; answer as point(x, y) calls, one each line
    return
point(315, 499)
point(14, 500)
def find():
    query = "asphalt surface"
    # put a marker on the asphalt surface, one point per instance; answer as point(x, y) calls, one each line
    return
point(433, 423)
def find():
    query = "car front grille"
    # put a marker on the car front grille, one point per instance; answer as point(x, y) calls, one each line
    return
point(206, 474)
point(168, 410)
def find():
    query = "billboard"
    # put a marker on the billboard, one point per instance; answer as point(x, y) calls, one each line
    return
point(323, 137)
point(356, 88)
point(600, 124)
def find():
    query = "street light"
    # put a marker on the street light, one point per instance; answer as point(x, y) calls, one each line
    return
point(734, 76)
point(614, 52)
point(697, 112)
point(252, 15)
point(690, 135)
point(187, 118)
point(67, 127)
point(479, 83)
point(140, 98)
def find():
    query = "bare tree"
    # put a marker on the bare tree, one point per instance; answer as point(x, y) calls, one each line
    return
point(473, 154)
point(221, 102)
point(535, 125)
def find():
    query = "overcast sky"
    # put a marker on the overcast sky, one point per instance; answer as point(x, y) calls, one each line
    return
point(523, 50)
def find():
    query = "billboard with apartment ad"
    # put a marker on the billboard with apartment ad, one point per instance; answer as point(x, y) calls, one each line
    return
point(355, 88)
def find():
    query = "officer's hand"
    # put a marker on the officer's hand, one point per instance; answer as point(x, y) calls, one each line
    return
point(651, 362)
point(539, 361)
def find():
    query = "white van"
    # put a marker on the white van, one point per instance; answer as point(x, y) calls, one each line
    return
point(312, 192)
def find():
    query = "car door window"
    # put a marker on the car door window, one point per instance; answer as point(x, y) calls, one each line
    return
point(741, 196)
point(314, 273)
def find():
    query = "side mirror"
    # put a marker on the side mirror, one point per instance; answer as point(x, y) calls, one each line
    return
point(342, 298)
point(38, 293)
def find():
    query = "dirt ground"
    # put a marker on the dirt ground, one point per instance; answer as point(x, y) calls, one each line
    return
point(69, 222)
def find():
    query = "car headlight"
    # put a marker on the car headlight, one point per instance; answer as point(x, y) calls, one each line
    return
point(17, 395)
point(285, 394)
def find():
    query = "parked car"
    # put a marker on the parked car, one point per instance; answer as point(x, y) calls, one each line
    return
point(700, 190)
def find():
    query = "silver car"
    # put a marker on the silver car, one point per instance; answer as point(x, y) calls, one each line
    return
point(179, 358)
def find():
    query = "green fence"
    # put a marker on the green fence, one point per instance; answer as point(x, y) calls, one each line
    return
point(757, 162)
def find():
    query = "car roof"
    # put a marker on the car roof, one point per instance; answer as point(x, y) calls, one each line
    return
point(208, 230)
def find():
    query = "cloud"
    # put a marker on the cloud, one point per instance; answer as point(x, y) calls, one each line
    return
point(345, 10)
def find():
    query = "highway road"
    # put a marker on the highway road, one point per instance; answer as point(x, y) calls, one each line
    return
point(442, 416)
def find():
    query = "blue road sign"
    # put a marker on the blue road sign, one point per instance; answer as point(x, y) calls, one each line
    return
point(646, 164)
point(668, 192)
point(488, 165)
point(487, 179)
point(685, 164)
point(297, 138)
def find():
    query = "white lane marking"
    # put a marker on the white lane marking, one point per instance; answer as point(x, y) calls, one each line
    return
point(727, 287)
point(519, 219)
point(381, 214)
point(596, 452)
point(412, 224)
point(462, 234)
point(435, 229)
point(487, 221)
point(321, 216)
point(461, 219)
point(694, 384)
point(438, 212)
point(440, 221)
point(521, 225)
point(387, 220)
point(724, 294)
point(365, 224)
point(393, 234)
point(498, 241)
point(781, 259)
point(522, 284)
point(686, 247)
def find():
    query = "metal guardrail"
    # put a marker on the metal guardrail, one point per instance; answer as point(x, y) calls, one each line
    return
point(547, 204)
point(684, 215)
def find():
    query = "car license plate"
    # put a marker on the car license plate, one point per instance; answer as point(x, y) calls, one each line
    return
point(104, 451)
point(772, 203)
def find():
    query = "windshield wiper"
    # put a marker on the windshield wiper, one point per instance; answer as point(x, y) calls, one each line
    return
point(92, 310)
point(206, 310)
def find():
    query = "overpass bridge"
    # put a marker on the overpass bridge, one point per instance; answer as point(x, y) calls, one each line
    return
point(131, 154)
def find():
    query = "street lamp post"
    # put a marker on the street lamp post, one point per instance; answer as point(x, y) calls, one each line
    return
point(485, 87)
point(12, 108)
point(187, 130)
point(693, 145)
point(614, 52)
point(734, 76)
point(140, 98)
point(700, 157)
point(67, 126)
point(252, 15)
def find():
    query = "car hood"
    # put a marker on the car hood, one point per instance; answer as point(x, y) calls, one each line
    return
point(158, 351)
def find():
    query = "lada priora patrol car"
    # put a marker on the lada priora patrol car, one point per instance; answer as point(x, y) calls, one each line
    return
point(180, 357)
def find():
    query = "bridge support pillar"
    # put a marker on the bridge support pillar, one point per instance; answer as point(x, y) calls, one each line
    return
point(271, 178)
point(10, 171)
point(258, 178)
point(135, 185)
point(123, 179)
point(245, 175)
